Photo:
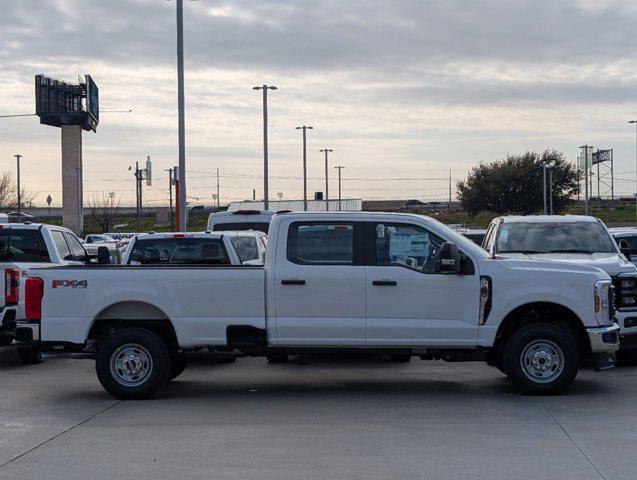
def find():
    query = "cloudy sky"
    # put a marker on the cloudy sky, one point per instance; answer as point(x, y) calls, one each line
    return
point(402, 90)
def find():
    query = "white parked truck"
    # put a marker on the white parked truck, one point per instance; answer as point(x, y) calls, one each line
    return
point(396, 284)
point(25, 245)
point(576, 240)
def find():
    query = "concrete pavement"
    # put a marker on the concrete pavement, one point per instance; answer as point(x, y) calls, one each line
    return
point(348, 418)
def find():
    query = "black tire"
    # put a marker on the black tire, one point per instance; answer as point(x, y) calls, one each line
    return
point(626, 358)
point(400, 358)
point(29, 355)
point(132, 364)
point(178, 364)
point(550, 357)
point(277, 358)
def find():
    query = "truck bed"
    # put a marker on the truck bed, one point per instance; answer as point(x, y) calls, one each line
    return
point(185, 294)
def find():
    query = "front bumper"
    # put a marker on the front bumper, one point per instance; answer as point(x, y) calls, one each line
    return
point(604, 339)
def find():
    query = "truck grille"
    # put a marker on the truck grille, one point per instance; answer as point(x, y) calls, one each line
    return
point(625, 293)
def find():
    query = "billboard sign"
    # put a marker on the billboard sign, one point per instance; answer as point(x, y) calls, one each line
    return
point(59, 103)
point(92, 102)
point(601, 156)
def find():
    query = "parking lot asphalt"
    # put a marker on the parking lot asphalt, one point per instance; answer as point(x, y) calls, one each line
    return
point(312, 418)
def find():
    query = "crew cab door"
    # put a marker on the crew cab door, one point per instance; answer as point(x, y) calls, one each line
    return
point(319, 284)
point(408, 301)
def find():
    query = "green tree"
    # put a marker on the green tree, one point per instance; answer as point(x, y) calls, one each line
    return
point(515, 184)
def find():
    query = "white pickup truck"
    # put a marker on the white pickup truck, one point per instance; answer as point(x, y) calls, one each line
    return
point(576, 240)
point(396, 284)
point(25, 245)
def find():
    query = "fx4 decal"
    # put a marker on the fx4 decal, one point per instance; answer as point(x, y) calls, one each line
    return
point(69, 283)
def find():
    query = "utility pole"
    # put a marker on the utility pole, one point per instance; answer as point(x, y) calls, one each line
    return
point(339, 168)
point(551, 191)
point(254, 194)
point(449, 204)
point(635, 194)
point(182, 116)
point(218, 188)
point(304, 128)
point(18, 157)
point(265, 88)
point(544, 185)
point(170, 196)
point(138, 187)
point(327, 197)
point(175, 226)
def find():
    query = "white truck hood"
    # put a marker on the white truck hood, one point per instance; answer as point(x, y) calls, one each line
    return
point(611, 263)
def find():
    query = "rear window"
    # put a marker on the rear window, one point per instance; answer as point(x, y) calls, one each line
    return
point(23, 246)
point(321, 243)
point(205, 251)
point(246, 248)
point(241, 226)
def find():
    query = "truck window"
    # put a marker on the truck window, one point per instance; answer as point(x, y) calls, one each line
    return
point(207, 251)
point(246, 248)
point(61, 245)
point(316, 243)
point(77, 250)
point(407, 246)
point(259, 226)
point(23, 246)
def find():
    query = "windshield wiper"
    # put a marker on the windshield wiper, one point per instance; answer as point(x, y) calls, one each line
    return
point(522, 251)
point(570, 250)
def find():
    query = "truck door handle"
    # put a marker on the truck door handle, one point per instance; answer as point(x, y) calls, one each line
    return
point(292, 282)
point(384, 283)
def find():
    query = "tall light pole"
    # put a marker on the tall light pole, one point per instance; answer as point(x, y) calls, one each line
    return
point(327, 197)
point(339, 168)
point(182, 119)
point(265, 88)
point(18, 157)
point(304, 128)
point(635, 194)
point(586, 147)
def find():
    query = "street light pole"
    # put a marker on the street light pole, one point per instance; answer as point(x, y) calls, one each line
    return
point(327, 197)
point(18, 157)
point(586, 147)
point(304, 128)
point(265, 88)
point(635, 194)
point(182, 120)
point(339, 168)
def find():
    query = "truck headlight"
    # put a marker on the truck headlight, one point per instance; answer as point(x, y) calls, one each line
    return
point(601, 302)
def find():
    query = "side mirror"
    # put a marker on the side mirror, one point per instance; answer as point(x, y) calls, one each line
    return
point(449, 258)
point(103, 255)
point(625, 249)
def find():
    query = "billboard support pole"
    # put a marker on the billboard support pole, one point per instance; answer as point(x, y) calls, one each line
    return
point(182, 122)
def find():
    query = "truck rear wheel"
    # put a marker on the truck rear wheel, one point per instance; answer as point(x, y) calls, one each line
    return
point(541, 359)
point(132, 364)
point(29, 355)
point(277, 358)
point(178, 364)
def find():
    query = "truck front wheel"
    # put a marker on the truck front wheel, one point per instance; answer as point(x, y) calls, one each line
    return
point(541, 359)
point(132, 364)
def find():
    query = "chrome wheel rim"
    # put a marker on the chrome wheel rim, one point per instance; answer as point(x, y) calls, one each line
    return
point(131, 365)
point(542, 361)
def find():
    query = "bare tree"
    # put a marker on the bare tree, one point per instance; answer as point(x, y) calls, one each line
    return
point(104, 209)
point(8, 193)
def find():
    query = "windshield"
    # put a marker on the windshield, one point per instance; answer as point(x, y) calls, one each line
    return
point(554, 237)
point(208, 251)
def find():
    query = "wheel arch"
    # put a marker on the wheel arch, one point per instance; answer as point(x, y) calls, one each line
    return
point(133, 313)
point(542, 312)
